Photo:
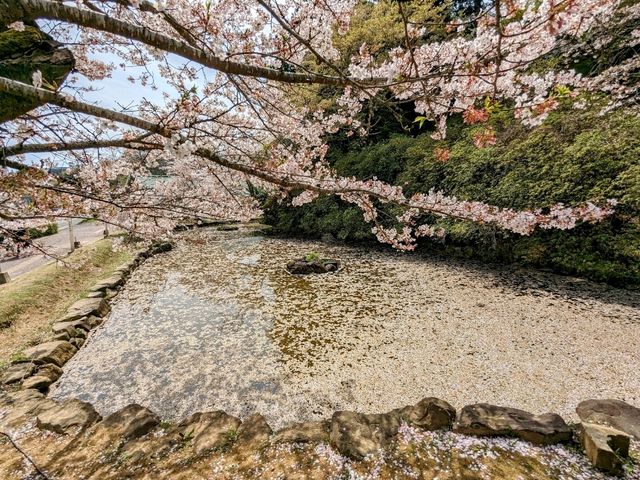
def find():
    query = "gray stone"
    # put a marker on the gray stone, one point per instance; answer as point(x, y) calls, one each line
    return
point(15, 373)
point(77, 342)
point(130, 422)
point(303, 433)
point(95, 294)
point(113, 282)
point(615, 413)
point(57, 352)
point(44, 376)
point(430, 414)
point(4, 278)
point(68, 414)
point(254, 431)
point(62, 336)
point(209, 430)
point(605, 446)
point(86, 307)
point(70, 326)
point(358, 435)
point(93, 321)
point(482, 419)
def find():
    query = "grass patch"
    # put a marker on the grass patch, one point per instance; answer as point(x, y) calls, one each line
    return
point(29, 304)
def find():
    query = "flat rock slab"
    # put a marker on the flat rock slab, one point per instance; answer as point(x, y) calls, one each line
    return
point(615, 413)
point(209, 430)
point(482, 419)
point(605, 446)
point(130, 422)
point(68, 414)
point(306, 432)
point(45, 376)
point(21, 406)
point(17, 372)
point(85, 307)
point(58, 352)
point(69, 326)
point(112, 282)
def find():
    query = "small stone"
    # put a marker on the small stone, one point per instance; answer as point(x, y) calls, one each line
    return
point(605, 446)
point(112, 283)
point(45, 376)
point(93, 321)
point(209, 430)
point(482, 419)
point(615, 413)
point(77, 342)
point(95, 294)
point(254, 431)
point(130, 422)
point(67, 414)
point(15, 373)
point(307, 432)
point(57, 352)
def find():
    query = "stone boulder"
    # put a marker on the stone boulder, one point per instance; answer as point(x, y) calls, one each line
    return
point(615, 413)
point(68, 414)
point(430, 414)
point(482, 419)
point(17, 372)
point(57, 352)
point(160, 247)
point(209, 430)
point(358, 435)
point(307, 432)
point(44, 376)
point(306, 267)
point(113, 282)
point(85, 307)
point(130, 422)
point(605, 446)
point(254, 431)
point(22, 406)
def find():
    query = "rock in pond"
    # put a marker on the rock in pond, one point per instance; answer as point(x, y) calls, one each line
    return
point(209, 430)
point(17, 372)
point(57, 352)
point(605, 446)
point(482, 419)
point(306, 267)
point(68, 414)
point(615, 413)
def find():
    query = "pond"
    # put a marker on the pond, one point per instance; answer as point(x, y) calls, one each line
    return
point(218, 323)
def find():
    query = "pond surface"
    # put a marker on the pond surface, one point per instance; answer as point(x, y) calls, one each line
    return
point(219, 324)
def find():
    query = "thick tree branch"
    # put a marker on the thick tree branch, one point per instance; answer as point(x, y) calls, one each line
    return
point(12, 10)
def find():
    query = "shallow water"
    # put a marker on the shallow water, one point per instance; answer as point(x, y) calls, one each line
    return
point(219, 324)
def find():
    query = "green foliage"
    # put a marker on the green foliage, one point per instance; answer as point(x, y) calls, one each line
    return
point(312, 257)
point(575, 156)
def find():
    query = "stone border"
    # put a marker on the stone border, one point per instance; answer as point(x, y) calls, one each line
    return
point(605, 432)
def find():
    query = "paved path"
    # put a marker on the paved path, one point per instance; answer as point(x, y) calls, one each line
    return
point(57, 244)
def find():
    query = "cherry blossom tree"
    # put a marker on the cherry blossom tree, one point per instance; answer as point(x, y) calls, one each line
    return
point(237, 114)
